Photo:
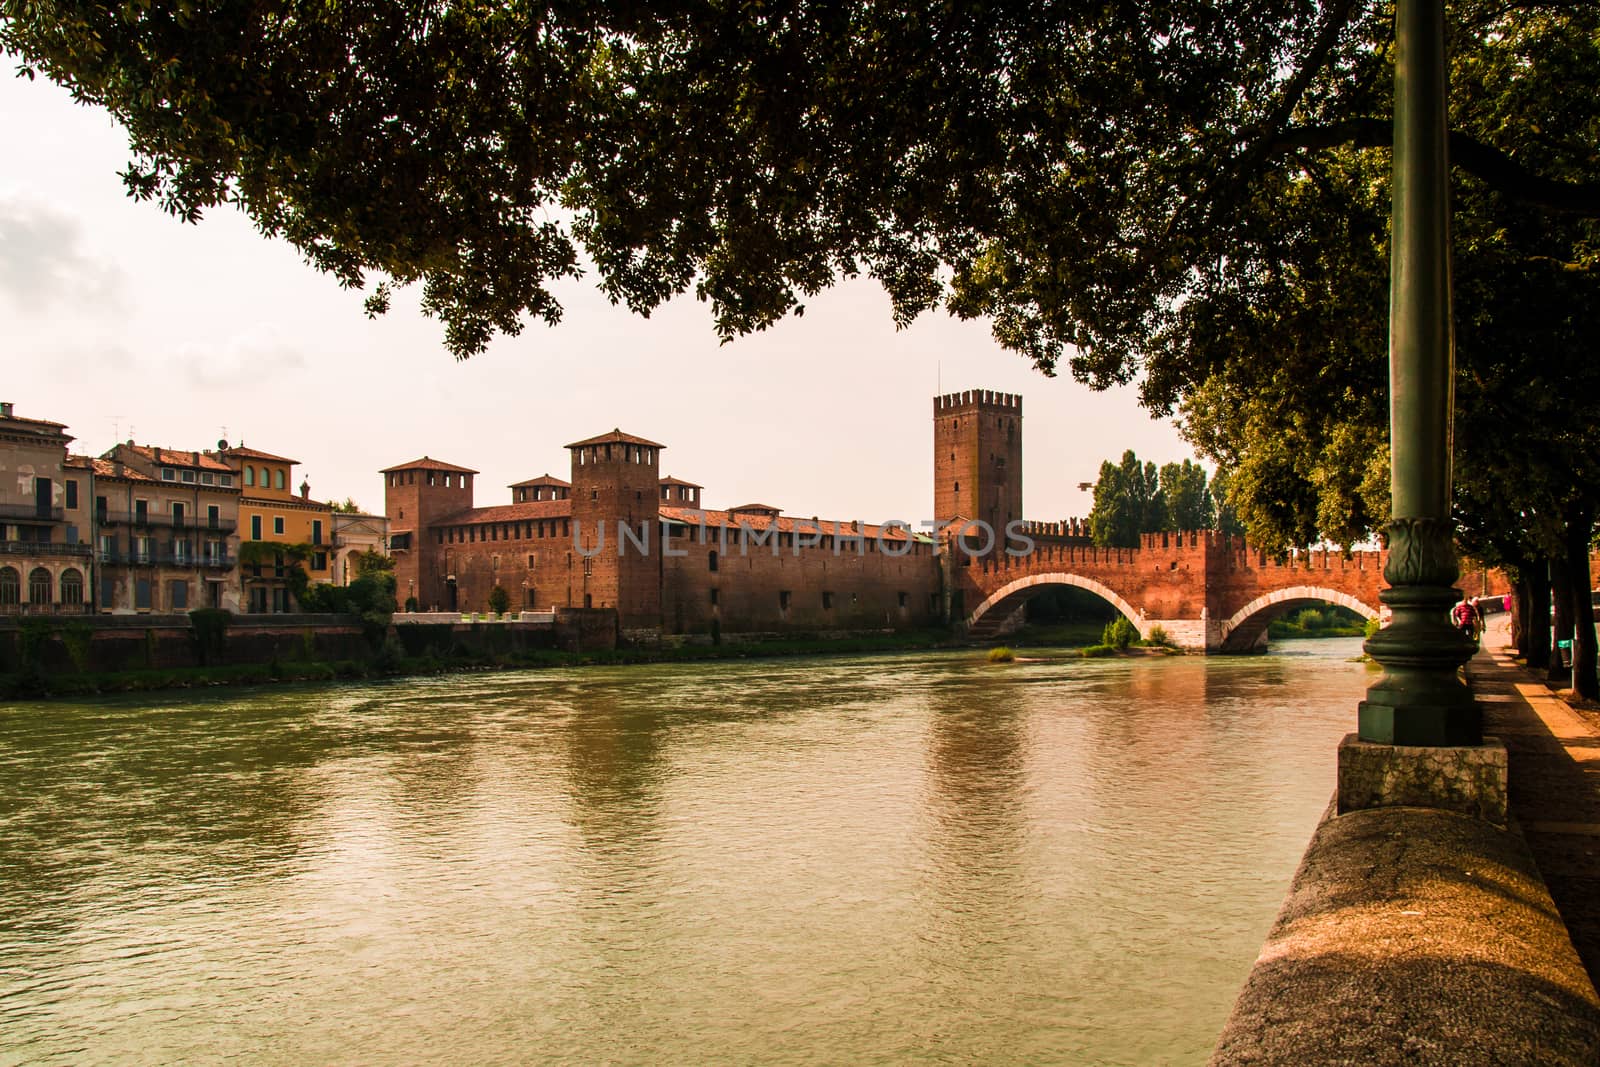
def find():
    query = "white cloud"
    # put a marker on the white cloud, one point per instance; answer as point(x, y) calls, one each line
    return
point(43, 265)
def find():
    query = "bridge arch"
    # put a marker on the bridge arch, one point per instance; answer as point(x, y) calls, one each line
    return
point(1003, 602)
point(1242, 631)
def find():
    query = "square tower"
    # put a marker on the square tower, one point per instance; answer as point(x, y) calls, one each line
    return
point(616, 554)
point(977, 458)
point(415, 495)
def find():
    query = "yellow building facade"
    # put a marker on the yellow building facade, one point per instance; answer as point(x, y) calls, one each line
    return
point(277, 524)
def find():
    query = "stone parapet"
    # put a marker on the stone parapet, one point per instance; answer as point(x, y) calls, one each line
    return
point(1469, 780)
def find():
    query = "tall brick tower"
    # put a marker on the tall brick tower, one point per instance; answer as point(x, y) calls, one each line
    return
point(977, 458)
point(615, 481)
point(416, 494)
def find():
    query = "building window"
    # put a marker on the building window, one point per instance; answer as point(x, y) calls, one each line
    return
point(72, 493)
point(827, 601)
point(213, 517)
point(207, 479)
point(141, 594)
point(902, 600)
point(277, 524)
point(711, 561)
point(277, 478)
point(249, 475)
point(225, 479)
point(316, 531)
point(144, 549)
point(180, 552)
point(532, 560)
point(40, 586)
point(188, 476)
point(168, 474)
point(178, 595)
point(141, 512)
point(255, 527)
point(177, 515)
point(72, 587)
point(713, 596)
point(783, 600)
point(319, 561)
point(10, 587)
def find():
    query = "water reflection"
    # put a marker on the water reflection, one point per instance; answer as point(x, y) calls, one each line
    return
point(883, 859)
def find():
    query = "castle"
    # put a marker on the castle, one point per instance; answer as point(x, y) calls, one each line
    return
point(619, 533)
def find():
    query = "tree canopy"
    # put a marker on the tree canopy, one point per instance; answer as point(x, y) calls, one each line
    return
point(1074, 172)
point(1133, 498)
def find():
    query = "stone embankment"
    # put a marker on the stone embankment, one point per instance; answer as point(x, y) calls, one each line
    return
point(1420, 936)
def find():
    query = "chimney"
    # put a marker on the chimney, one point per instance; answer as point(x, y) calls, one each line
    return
point(158, 453)
point(5, 409)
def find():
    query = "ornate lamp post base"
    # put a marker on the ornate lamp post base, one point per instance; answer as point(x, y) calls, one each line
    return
point(1421, 699)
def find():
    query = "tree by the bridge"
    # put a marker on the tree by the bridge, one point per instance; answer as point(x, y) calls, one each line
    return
point(1133, 498)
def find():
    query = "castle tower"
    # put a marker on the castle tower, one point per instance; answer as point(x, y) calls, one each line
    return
point(977, 458)
point(615, 483)
point(415, 495)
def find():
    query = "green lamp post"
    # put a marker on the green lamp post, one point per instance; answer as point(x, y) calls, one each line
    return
point(1421, 699)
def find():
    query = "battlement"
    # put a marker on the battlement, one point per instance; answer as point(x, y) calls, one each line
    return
point(987, 399)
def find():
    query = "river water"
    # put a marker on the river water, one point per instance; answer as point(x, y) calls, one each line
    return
point(876, 859)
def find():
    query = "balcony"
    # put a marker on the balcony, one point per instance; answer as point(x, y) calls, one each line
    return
point(43, 548)
point(32, 513)
point(167, 558)
point(157, 520)
point(44, 609)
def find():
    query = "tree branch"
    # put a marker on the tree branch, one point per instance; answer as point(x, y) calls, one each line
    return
point(1483, 161)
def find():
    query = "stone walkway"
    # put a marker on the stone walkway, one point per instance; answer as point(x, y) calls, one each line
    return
point(1554, 755)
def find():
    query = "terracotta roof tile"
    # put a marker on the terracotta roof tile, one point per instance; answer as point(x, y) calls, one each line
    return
point(786, 524)
point(105, 468)
point(177, 457)
point(532, 509)
point(543, 479)
point(616, 437)
point(427, 463)
point(669, 480)
point(241, 452)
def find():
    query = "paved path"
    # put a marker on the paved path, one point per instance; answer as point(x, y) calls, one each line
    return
point(1555, 782)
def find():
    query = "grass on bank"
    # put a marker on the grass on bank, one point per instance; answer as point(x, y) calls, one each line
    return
point(391, 661)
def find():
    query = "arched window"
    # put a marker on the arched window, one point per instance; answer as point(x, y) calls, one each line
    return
point(277, 478)
point(10, 587)
point(72, 586)
point(249, 475)
point(711, 560)
point(40, 586)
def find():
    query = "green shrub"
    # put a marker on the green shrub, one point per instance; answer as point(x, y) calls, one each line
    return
point(499, 600)
point(1002, 654)
point(1370, 627)
point(1119, 633)
point(1159, 637)
point(1098, 651)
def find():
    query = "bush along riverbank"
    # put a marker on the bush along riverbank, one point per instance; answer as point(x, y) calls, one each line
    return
point(391, 658)
point(1311, 623)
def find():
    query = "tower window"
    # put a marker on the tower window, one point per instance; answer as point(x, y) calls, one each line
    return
point(711, 561)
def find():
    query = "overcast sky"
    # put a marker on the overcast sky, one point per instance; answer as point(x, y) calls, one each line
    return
point(116, 319)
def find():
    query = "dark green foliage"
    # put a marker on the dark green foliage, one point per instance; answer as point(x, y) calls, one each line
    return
point(1072, 172)
point(209, 631)
point(1133, 498)
point(499, 600)
point(1119, 633)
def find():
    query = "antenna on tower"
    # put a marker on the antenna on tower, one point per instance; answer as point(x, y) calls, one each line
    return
point(116, 429)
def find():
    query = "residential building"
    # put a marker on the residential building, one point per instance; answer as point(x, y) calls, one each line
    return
point(275, 525)
point(166, 524)
point(45, 557)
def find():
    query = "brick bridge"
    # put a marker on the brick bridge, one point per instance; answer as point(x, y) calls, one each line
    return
point(1207, 590)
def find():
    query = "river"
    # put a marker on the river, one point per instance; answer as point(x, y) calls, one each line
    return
point(915, 858)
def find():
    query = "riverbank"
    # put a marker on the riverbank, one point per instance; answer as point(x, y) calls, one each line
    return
point(389, 662)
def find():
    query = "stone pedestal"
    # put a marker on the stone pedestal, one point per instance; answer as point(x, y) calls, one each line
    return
point(1469, 779)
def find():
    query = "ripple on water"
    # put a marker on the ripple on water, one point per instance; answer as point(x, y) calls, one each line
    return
point(855, 859)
